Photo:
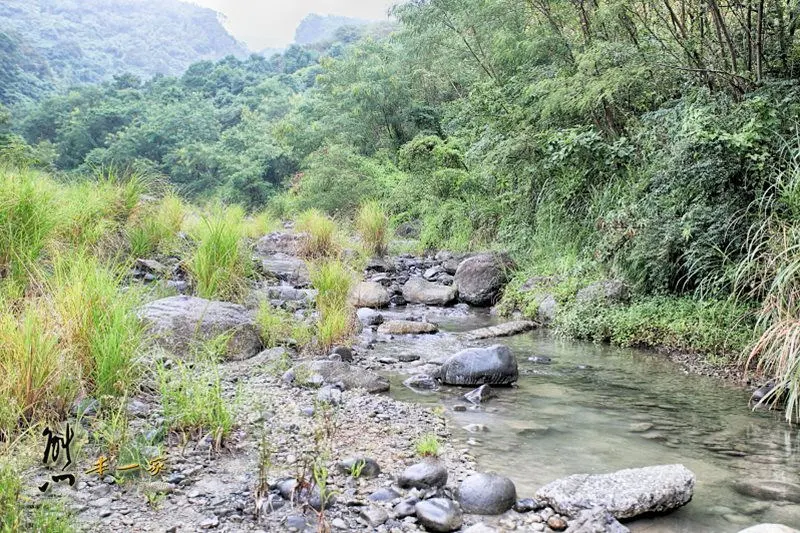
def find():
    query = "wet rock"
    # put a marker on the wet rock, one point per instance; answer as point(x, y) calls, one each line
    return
point(765, 489)
point(439, 514)
point(495, 365)
point(421, 382)
point(502, 330)
point(369, 317)
point(374, 516)
point(625, 494)
point(595, 520)
point(406, 327)
point(420, 291)
point(609, 291)
point(286, 268)
point(480, 395)
point(480, 279)
point(427, 474)
point(769, 528)
point(338, 372)
point(487, 494)
point(540, 359)
point(178, 322)
point(527, 505)
point(365, 467)
point(369, 294)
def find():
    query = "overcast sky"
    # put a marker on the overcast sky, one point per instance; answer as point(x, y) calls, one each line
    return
point(271, 23)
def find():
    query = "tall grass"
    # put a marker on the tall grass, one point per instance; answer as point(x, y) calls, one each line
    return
point(27, 220)
point(155, 226)
point(97, 321)
point(18, 514)
point(373, 227)
point(333, 281)
point(259, 224)
point(320, 240)
point(278, 326)
point(220, 264)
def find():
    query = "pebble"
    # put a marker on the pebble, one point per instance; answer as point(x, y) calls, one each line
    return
point(556, 523)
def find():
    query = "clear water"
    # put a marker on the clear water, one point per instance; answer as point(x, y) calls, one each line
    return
point(597, 409)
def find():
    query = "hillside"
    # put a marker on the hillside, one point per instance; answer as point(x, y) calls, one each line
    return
point(316, 28)
point(53, 44)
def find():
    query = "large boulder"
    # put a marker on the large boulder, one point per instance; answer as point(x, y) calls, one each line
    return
point(286, 268)
point(481, 278)
point(180, 322)
point(369, 294)
point(420, 291)
point(494, 365)
point(406, 327)
point(624, 494)
point(487, 494)
point(338, 372)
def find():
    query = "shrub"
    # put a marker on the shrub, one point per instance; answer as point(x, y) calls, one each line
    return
point(333, 281)
point(373, 227)
point(320, 238)
point(220, 263)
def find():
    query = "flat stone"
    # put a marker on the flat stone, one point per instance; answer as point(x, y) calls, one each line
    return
point(625, 494)
point(502, 330)
point(374, 515)
point(595, 520)
point(439, 514)
point(338, 372)
point(383, 494)
point(406, 327)
point(765, 489)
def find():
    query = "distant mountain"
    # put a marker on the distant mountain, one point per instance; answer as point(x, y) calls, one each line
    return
point(317, 28)
point(46, 44)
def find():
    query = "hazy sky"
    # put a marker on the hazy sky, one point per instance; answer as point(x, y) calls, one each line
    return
point(271, 23)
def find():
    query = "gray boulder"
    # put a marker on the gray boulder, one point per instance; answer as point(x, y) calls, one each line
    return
point(285, 268)
point(624, 494)
point(505, 329)
point(487, 494)
point(481, 278)
point(439, 514)
point(420, 291)
point(547, 310)
point(338, 372)
point(494, 365)
point(609, 291)
point(178, 323)
point(369, 294)
point(406, 327)
point(369, 317)
point(427, 474)
point(595, 520)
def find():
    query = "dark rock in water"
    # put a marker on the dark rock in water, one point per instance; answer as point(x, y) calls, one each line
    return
point(595, 520)
point(495, 365)
point(527, 505)
point(369, 317)
point(609, 291)
point(363, 466)
point(479, 395)
point(383, 494)
point(481, 278)
point(439, 514)
point(767, 395)
point(487, 494)
point(502, 330)
point(540, 359)
point(625, 494)
point(769, 490)
point(406, 327)
point(369, 294)
point(179, 322)
point(427, 474)
point(421, 382)
point(345, 353)
point(420, 291)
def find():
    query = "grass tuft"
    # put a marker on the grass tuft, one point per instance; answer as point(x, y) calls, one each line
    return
point(428, 446)
point(320, 239)
point(373, 228)
point(333, 281)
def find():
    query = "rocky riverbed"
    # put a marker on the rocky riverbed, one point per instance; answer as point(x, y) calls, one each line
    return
point(333, 412)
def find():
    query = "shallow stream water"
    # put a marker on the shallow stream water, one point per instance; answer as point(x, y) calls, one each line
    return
point(597, 409)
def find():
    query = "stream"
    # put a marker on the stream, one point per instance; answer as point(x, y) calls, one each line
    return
point(597, 408)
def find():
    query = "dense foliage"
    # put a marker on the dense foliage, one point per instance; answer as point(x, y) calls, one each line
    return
point(51, 44)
